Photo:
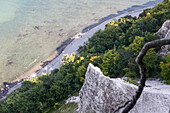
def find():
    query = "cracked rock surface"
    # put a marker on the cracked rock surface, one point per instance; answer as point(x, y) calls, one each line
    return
point(164, 32)
point(100, 94)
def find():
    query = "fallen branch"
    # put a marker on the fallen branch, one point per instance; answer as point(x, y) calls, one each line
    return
point(141, 65)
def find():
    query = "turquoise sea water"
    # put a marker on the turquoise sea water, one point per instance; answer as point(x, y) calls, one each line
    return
point(30, 30)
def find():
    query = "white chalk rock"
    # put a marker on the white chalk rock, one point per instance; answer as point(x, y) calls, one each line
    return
point(164, 32)
point(101, 94)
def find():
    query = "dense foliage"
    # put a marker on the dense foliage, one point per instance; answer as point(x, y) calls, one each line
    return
point(166, 69)
point(114, 50)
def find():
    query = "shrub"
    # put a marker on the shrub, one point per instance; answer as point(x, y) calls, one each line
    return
point(165, 67)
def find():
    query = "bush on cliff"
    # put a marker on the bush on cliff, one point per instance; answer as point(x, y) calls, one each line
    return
point(114, 50)
point(166, 69)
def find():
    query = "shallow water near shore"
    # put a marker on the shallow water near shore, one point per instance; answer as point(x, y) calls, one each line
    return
point(30, 31)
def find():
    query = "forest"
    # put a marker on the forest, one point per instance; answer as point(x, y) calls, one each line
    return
point(114, 50)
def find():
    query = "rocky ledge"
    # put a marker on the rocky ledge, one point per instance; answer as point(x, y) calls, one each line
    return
point(164, 32)
point(102, 94)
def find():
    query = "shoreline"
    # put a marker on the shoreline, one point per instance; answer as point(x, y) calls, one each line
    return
point(72, 44)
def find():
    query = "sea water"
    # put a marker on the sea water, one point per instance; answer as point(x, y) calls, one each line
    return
point(31, 30)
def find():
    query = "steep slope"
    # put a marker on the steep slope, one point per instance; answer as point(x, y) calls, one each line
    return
point(102, 94)
point(164, 32)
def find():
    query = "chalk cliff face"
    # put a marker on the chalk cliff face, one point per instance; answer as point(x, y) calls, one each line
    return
point(104, 95)
point(164, 32)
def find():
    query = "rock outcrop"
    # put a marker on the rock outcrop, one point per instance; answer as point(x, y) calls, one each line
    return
point(104, 95)
point(164, 32)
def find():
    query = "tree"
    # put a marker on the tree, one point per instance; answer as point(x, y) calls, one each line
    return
point(166, 1)
point(69, 58)
point(166, 69)
point(137, 44)
point(152, 60)
point(139, 60)
point(110, 63)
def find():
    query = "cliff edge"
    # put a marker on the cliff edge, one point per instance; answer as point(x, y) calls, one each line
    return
point(164, 32)
point(102, 94)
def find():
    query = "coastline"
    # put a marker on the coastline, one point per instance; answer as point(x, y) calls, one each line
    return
point(71, 45)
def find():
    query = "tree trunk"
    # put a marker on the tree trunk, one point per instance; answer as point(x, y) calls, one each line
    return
point(141, 65)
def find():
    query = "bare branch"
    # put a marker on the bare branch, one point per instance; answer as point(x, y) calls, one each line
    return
point(141, 65)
